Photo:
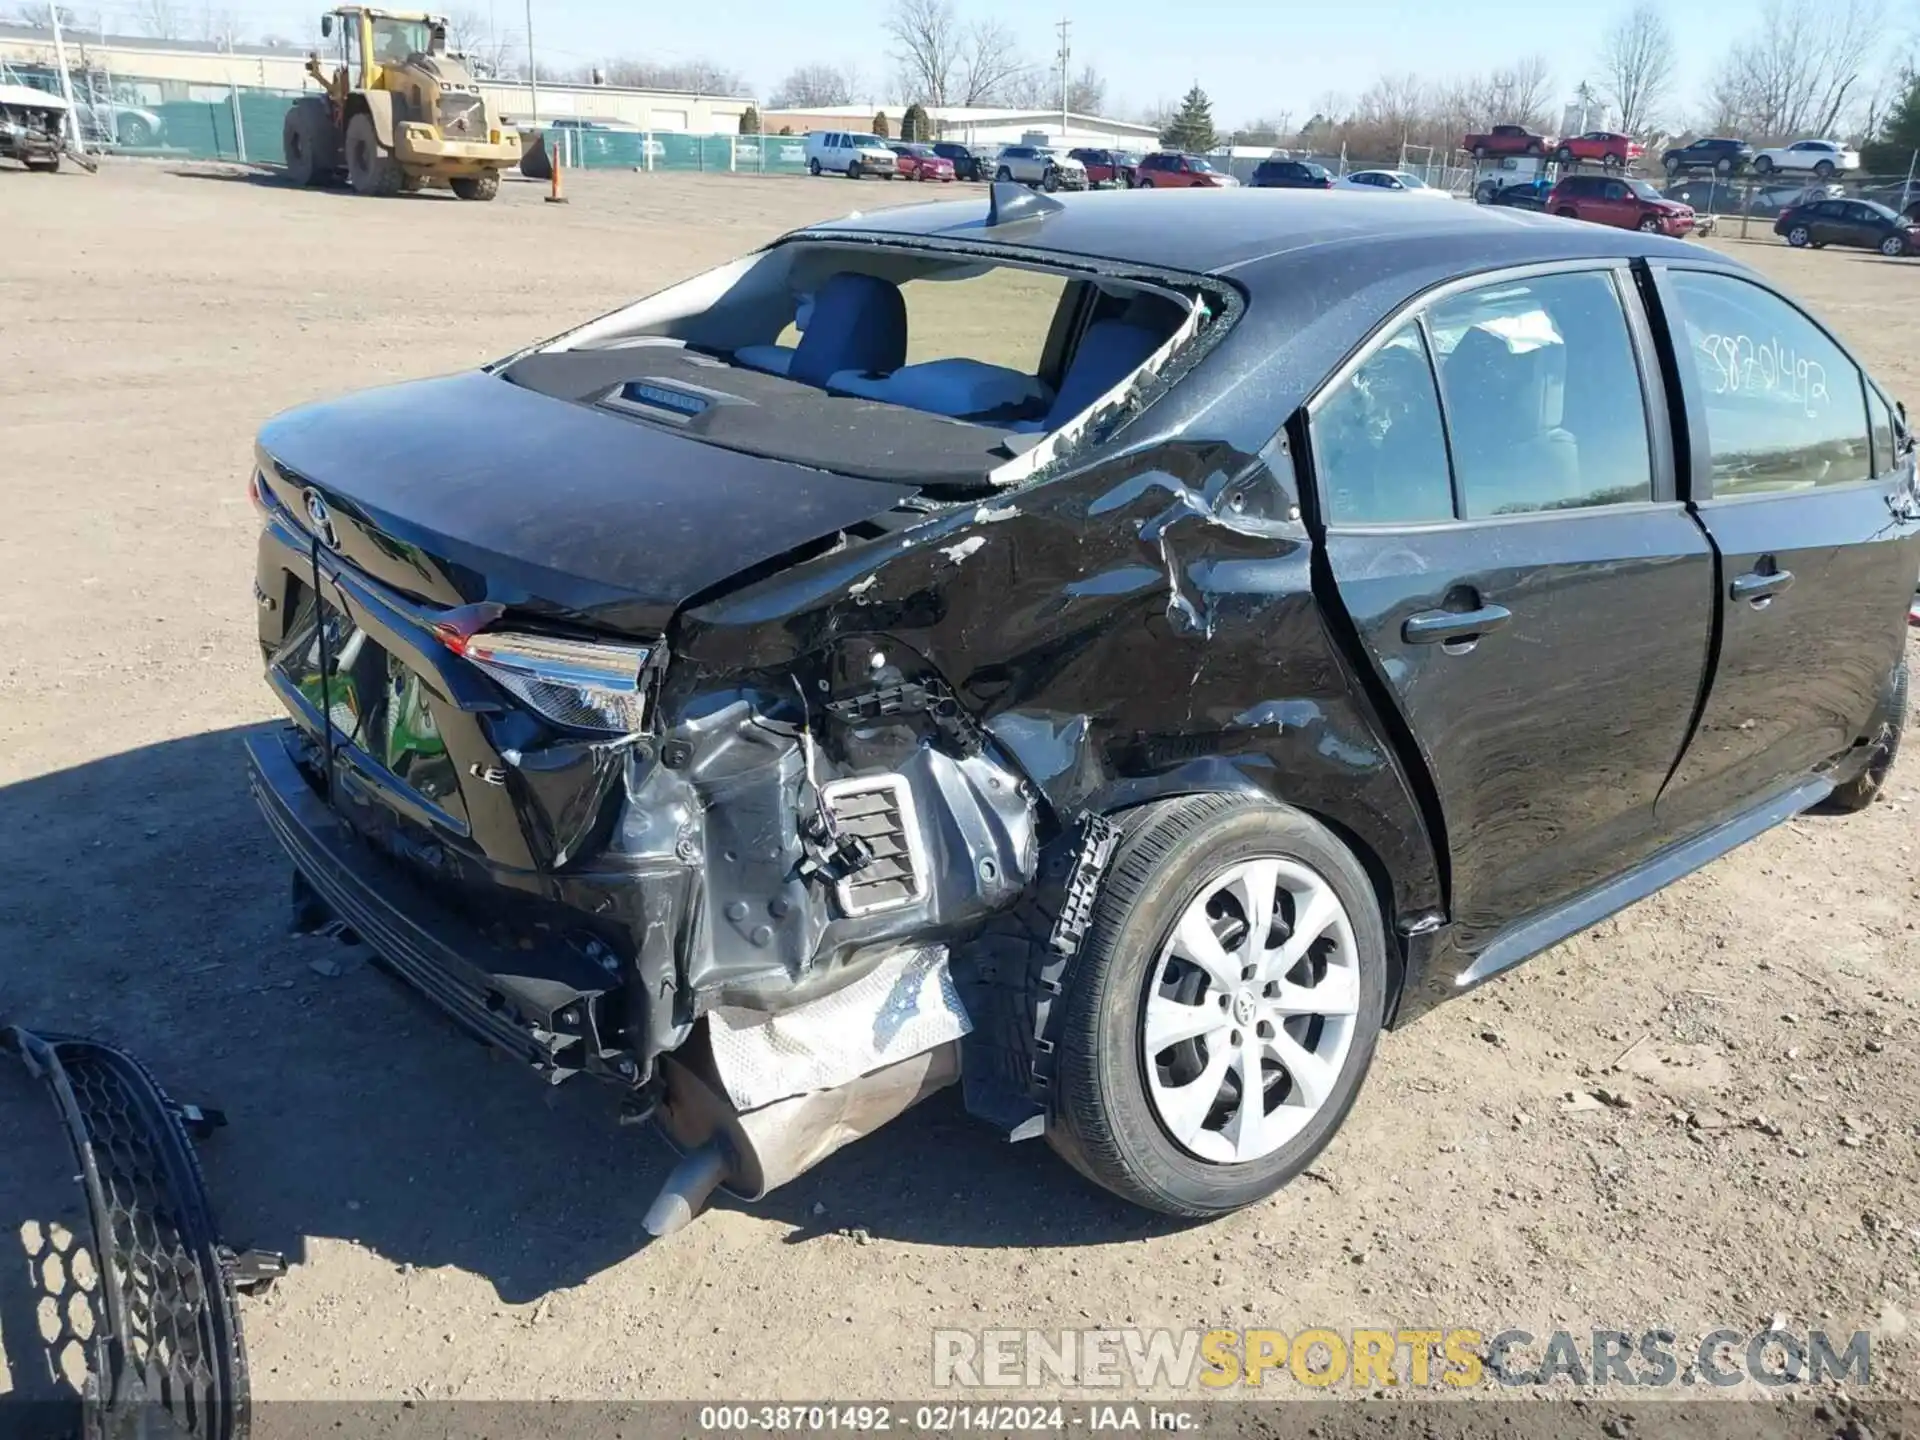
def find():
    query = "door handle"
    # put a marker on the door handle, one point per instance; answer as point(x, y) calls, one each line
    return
point(1760, 586)
point(1434, 627)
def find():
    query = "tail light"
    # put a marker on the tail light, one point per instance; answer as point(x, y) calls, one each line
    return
point(581, 684)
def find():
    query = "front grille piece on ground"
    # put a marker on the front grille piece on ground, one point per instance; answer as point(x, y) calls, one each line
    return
point(877, 812)
point(151, 1305)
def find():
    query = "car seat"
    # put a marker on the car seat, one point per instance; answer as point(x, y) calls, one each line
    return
point(1508, 459)
point(858, 322)
point(1109, 350)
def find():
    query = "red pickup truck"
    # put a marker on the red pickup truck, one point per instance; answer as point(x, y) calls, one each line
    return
point(1506, 140)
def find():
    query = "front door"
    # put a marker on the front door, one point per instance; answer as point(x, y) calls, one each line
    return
point(1815, 566)
point(1508, 545)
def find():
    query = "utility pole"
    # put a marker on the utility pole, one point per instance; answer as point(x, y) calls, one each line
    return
point(1063, 25)
point(66, 83)
point(533, 69)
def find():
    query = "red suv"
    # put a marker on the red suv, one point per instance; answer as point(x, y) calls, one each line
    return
point(1609, 147)
point(1167, 170)
point(1625, 204)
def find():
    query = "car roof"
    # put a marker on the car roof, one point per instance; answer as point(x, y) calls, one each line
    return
point(1218, 230)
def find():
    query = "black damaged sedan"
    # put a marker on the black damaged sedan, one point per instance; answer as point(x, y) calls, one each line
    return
point(1116, 661)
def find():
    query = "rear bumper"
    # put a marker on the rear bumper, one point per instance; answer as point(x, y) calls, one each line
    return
point(556, 1013)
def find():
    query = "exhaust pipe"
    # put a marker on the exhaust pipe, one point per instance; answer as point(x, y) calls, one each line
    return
point(748, 1153)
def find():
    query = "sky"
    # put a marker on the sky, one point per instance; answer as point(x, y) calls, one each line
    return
point(1255, 60)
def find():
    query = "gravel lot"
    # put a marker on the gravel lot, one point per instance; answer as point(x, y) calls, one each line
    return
point(458, 1231)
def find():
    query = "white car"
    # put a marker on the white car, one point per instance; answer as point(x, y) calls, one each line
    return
point(1397, 182)
point(1040, 165)
point(851, 153)
point(1819, 157)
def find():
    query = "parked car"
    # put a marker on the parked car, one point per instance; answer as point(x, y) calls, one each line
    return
point(1038, 165)
point(1291, 175)
point(1607, 147)
point(1720, 154)
point(966, 164)
point(583, 137)
point(918, 162)
point(33, 126)
point(102, 111)
point(1170, 170)
point(1622, 202)
point(1506, 140)
point(1707, 197)
point(851, 153)
point(1858, 224)
point(1108, 169)
point(1525, 195)
point(1397, 182)
point(838, 691)
point(1819, 157)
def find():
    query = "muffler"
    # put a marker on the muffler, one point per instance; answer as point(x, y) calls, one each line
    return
point(750, 1152)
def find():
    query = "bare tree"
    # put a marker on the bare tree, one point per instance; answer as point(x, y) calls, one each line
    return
point(926, 45)
point(815, 85)
point(40, 17)
point(991, 65)
point(1636, 65)
point(1087, 94)
point(1805, 64)
point(487, 53)
point(159, 18)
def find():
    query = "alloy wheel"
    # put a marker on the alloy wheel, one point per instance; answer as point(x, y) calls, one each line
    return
point(1250, 1013)
point(1798, 236)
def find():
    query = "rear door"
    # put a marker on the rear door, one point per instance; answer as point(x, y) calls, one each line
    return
point(1815, 562)
point(1496, 485)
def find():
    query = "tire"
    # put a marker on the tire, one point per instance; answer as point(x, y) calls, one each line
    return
point(1824, 169)
point(1865, 788)
point(1613, 162)
point(1003, 173)
point(1673, 166)
point(1725, 167)
point(1568, 214)
point(133, 132)
point(853, 170)
point(370, 171)
point(1563, 156)
point(476, 187)
point(813, 167)
point(1112, 1101)
point(1799, 237)
point(305, 145)
point(1144, 185)
point(1050, 181)
point(1894, 246)
point(1479, 152)
point(1650, 226)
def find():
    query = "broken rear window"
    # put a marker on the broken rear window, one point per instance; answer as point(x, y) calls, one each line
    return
point(911, 363)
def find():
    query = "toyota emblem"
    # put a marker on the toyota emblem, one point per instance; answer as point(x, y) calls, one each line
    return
point(321, 519)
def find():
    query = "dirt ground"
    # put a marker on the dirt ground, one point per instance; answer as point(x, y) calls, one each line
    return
point(455, 1230)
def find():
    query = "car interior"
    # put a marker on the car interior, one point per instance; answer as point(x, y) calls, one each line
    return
point(812, 340)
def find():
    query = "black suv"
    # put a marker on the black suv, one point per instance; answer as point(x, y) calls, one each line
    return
point(1291, 175)
point(1719, 154)
point(1130, 724)
point(966, 164)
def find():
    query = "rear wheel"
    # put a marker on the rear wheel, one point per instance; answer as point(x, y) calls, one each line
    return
point(133, 131)
point(1566, 214)
point(370, 170)
point(1824, 169)
point(1563, 155)
point(813, 167)
point(1799, 237)
point(1223, 1009)
point(1613, 162)
point(1861, 791)
point(476, 187)
point(305, 144)
point(1674, 166)
point(853, 170)
point(1146, 183)
point(1050, 181)
point(1479, 152)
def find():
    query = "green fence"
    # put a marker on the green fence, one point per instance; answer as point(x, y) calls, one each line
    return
point(140, 116)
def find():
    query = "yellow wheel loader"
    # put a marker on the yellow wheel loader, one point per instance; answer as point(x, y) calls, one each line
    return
point(399, 113)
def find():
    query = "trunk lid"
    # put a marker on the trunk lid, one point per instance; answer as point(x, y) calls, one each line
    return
point(471, 488)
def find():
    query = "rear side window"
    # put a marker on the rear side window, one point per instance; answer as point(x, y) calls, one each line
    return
point(1378, 442)
point(1543, 397)
point(1785, 408)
